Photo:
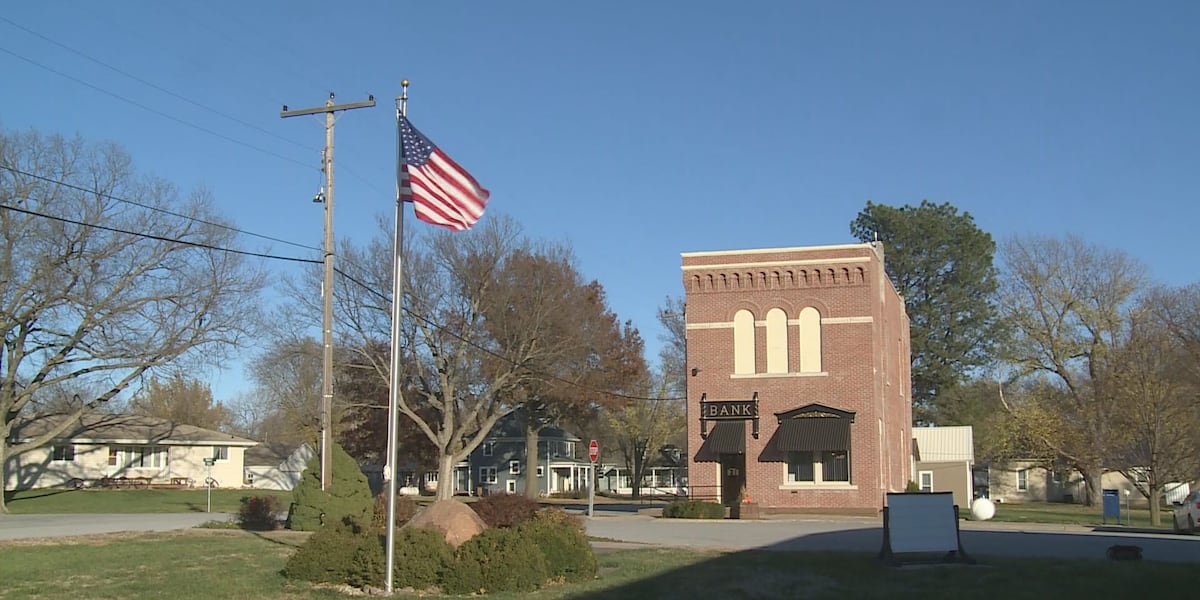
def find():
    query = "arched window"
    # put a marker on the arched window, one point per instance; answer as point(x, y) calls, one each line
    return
point(810, 340)
point(777, 342)
point(743, 343)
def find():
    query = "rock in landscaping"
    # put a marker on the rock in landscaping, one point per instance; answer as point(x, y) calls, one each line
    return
point(454, 519)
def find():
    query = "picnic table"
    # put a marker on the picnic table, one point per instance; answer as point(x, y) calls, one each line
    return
point(125, 482)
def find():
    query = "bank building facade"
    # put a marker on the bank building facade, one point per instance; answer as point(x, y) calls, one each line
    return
point(798, 379)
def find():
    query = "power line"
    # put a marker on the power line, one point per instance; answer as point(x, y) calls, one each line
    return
point(154, 110)
point(157, 209)
point(153, 85)
point(158, 237)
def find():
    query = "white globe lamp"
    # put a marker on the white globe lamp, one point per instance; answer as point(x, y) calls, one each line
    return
point(982, 509)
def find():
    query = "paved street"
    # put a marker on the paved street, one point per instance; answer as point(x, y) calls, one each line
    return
point(856, 534)
point(14, 527)
point(866, 535)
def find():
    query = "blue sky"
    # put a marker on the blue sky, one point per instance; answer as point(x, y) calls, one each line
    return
point(635, 131)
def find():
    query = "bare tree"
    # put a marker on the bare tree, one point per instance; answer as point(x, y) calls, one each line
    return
point(100, 291)
point(1068, 305)
point(1159, 414)
point(464, 367)
point(181, 399)
point(288, 388)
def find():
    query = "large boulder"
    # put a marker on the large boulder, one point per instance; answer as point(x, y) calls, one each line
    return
point(455, 520)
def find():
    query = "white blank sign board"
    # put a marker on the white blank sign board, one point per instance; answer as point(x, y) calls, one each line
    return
point(922, 522)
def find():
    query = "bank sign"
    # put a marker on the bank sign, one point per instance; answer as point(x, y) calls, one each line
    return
point(732, 410)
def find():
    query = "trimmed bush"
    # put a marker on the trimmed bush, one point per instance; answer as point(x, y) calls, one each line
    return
point(406, 507)
point(505, 510)
point(257, 513)
point(422, 558)
point(497, 560)
point(563, 543)
point(348, 494)
point(912, 487)
point(342, 552)
point(693, 509)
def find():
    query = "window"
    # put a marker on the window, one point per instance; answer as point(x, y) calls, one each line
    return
point(1023, 480)
point(743, 343)
point(800, 467)
point(510, 486)
point(810, 340)
point(541, 471)
point(828, 466)
point(489, 448)
point(777, 342)
point(514, 467)
point(62, 453)
point(221, 452)
point(926, 478)
point(137, 457)
point(487, 474)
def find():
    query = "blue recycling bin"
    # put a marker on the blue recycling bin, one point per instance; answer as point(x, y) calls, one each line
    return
point(1112, 505)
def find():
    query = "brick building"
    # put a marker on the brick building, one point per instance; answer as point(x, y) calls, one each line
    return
point(798, 378)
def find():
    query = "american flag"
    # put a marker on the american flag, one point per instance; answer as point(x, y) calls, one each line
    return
point(442, 192)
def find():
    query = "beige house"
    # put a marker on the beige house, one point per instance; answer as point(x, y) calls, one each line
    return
point(104, 448)
point(1029, 480)
point(943, 458)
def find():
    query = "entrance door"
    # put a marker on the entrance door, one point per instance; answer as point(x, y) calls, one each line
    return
point(733, 477)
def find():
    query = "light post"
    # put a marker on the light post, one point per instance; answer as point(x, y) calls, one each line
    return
point(1128, 515)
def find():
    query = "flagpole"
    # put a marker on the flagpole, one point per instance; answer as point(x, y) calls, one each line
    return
point(397, 300)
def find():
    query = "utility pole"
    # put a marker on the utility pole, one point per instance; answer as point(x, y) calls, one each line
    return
point(326, 197)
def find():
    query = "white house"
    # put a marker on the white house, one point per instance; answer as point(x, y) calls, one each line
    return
point(276, 466)
point(99, 449)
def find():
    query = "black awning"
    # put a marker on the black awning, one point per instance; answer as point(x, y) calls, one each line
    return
point(807, 434)
point(726, 437)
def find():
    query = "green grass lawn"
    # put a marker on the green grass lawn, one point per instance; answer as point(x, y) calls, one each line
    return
point(204, 564)
point(60, 501)
point(1073, 514)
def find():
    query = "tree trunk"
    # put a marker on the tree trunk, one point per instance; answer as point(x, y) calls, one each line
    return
point(3, 476)
point(1155, 507)
point(445, 488)
point(532, 485)
point(639, 464)
point(1091, 480)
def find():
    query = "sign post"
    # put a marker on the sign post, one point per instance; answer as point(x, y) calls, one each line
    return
point(593, 454)
point(208, 480)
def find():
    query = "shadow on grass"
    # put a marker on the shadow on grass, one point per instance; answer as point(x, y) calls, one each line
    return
point(10, 496)
point(844, 564)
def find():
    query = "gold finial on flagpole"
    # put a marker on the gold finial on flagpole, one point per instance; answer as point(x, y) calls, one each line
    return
point(403, 97)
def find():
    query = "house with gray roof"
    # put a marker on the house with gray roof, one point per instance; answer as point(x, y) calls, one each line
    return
point(118, 449)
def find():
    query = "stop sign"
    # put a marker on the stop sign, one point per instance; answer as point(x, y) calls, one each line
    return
point(593, 450)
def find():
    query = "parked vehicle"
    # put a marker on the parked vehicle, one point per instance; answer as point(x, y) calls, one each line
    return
point(1187, 513)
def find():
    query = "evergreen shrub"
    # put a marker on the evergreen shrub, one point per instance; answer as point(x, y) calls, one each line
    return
point(348, 494)
point(342, 552)
point(422, 557)
point(496, 560)
point(505, 510)
point(693, 509)
point(563, 543)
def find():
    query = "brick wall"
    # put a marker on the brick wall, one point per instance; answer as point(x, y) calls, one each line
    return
point(865, 365)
